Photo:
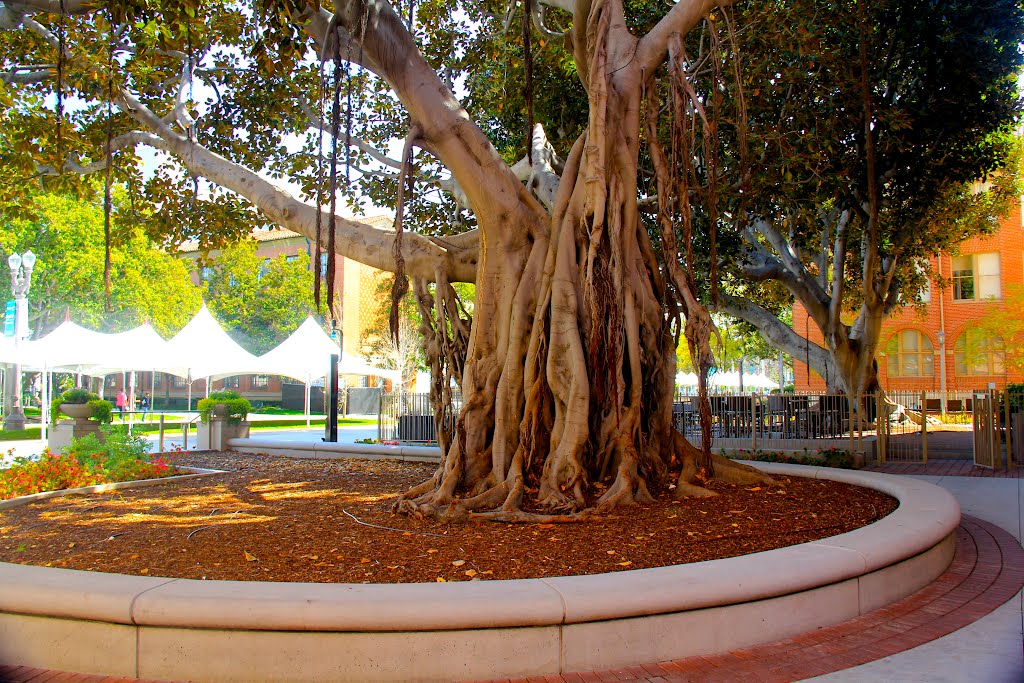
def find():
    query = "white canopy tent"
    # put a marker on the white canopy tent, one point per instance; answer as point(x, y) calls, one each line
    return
point(306, 355)
point(201, 349)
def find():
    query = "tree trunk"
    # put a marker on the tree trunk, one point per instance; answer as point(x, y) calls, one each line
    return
point(569, 378)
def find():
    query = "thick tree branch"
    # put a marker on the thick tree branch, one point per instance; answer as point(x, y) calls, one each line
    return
point(680, 19)
point(777, 333)
point(494, 193)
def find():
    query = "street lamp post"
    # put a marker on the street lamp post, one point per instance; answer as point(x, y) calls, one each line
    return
point(21, 266)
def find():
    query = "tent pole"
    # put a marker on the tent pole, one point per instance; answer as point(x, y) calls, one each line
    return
point(131, 403)
point(44, 409)
point(307, 401)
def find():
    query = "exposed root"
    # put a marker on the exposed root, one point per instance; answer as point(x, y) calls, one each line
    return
point(725, 470)
point(522, 517)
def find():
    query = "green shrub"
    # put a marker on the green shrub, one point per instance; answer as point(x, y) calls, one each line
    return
point(827, 457)
point(87, 461)
point(74, 396)
point(101, 410)
point(238, 407)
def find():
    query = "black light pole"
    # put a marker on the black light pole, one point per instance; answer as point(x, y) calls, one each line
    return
point(332, 390)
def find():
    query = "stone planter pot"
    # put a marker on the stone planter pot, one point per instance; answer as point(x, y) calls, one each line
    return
point(219, 410)
point(78, 411)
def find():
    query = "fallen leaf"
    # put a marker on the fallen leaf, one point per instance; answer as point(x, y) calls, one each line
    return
point(458, 563)
point(756, 488)
point(72, 545)
point(393, 567)
point(144, 571)
point(554, 538)
point(487, 572)
point(611, 552)
point(431, 551)
point(624, 564)
point(441, 579)
point(547, 526)
point(249, 557)
point(407, 533)
point(470, 573)
point(364, 560)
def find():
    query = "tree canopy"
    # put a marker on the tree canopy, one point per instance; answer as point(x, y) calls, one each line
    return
point(66, 234)
point(260, 301)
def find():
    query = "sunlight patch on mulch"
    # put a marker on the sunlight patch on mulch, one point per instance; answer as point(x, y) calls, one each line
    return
point(277, 519)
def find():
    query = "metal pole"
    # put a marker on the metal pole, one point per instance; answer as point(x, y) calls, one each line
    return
point(1009, 430)
point(924, 427)
point(161, 442)
point(332, 402)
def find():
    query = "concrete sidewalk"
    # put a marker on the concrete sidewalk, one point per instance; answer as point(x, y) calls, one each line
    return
point(991, 650)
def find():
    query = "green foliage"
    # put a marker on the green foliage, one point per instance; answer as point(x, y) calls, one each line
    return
point(237, 407)
point(77, 395)
point(826, 457)
point(66, 235)
point(101, 410)
point(259, 302)
point(119, 456)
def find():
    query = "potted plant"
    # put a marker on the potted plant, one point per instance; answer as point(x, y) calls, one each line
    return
point(230, 409)
point(80, 404)
point(227, 404)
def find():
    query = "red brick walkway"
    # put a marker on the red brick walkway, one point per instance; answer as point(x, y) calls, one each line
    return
point(987, 570)
point(947, 468)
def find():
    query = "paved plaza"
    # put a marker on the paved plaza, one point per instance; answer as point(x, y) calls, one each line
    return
point(967, 626)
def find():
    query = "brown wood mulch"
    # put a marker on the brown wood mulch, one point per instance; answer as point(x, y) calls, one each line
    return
point(277, 519)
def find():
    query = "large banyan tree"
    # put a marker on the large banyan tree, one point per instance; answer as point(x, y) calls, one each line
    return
point(582, 256)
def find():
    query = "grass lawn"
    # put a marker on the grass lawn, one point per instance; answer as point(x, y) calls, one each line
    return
point(27, 434)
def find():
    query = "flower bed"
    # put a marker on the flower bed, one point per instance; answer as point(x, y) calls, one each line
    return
point(120, 457)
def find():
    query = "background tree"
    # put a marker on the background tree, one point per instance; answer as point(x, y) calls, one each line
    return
point(869, 123)
point(66, 235)
point(260, 302)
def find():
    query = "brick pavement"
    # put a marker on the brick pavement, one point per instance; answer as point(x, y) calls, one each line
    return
point(987, 570)
point(947, 468)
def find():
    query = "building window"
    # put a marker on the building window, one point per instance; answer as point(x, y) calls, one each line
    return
point(910, 354)
point(178, 382)
point(976, 276)
point(206, 273)
point(231, 382)
point(260, 381)
point(293, 257)
point(158, 380)
point(264, 268)
point(323, 265)
point(979, 354)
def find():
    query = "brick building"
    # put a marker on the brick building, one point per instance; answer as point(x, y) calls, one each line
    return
point(937, 349)
point(356, 284)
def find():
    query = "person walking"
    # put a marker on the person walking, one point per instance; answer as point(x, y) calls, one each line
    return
point(144, 403)
point(121, 401)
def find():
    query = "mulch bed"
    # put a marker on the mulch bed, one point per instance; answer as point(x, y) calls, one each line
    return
point(277, 519)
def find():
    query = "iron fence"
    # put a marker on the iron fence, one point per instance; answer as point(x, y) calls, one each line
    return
point(409, 417)
point(892, 427)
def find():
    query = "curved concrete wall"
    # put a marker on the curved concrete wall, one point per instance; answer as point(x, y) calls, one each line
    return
point(180, 629)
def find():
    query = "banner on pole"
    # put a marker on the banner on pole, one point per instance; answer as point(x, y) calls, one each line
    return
point(10, 313)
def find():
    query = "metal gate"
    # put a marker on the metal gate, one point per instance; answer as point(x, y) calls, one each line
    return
point(987, 441)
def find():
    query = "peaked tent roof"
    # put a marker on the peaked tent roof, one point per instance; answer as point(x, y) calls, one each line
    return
point(70, 346)
point(306, 354)
point(203, 349)
point(140, 348)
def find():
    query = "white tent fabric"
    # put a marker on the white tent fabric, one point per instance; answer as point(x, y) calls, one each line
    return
point(686, 379)
point(137, 349)
point(306, 355)
point(203, 349)
point(70, 348)
point(759, 381)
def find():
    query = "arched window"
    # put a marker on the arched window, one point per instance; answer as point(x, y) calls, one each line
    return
point(977, 353)
point(910, 354)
